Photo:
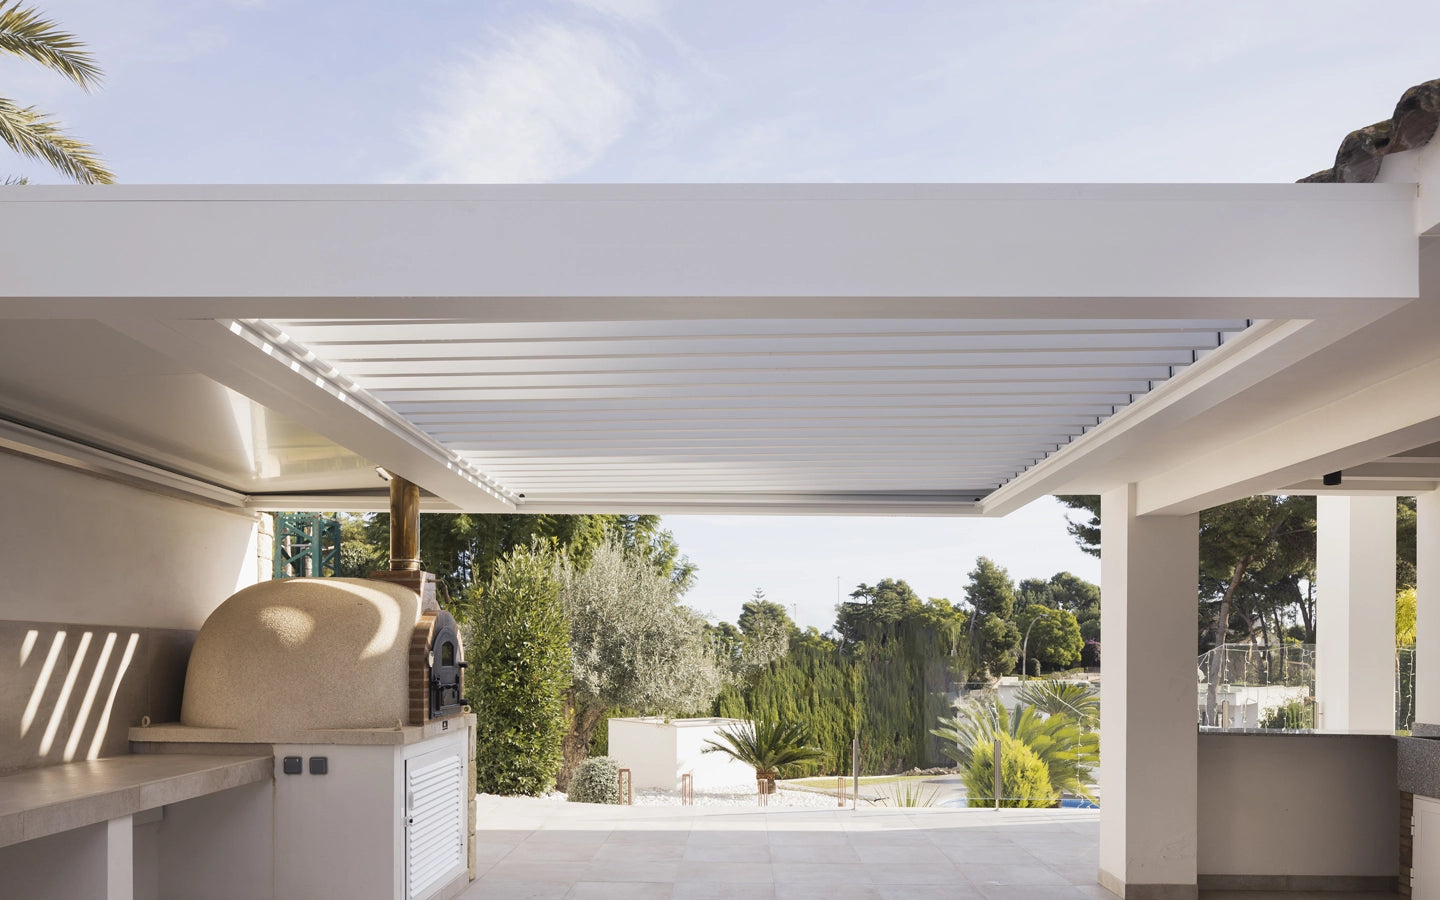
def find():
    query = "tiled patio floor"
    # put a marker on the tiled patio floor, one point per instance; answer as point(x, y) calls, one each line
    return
point(545, 849)
point(537, 849)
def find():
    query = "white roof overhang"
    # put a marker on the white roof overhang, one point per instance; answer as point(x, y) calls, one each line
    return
point(886, 349)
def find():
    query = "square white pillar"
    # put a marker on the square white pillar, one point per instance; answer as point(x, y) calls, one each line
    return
point(120, 859)
point(1149, 569)
point(1427, 613)
point(1355, 614)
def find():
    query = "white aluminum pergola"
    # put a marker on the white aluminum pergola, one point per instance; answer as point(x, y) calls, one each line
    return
point(922, 349)
point(930, 349)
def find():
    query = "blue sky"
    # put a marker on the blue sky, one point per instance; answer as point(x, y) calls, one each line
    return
point(317, 91)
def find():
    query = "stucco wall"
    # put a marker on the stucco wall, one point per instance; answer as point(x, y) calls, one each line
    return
point(104, 588)
point(83, 550)
point(1305, 804)
point(659, 752)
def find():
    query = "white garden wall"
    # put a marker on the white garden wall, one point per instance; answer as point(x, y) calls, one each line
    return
point(658, 751)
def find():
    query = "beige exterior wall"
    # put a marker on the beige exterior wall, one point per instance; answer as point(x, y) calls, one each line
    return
point(84, 550)
point(1306, 805)
point(104, 588)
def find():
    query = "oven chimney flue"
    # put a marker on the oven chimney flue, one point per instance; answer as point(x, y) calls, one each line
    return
point(404, 525)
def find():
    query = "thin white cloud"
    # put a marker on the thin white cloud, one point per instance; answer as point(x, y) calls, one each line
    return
point(650, 11)
point(538, 106)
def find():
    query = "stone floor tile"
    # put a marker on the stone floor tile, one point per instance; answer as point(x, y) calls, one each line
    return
point(705, 890)
point(822, 873)
point(955, 891)
point(812, 891)
point(989, 874)
point(918, 874)
point(726, 872)
point(899, 854)
point(495, 889)
point(736, 853)
point(619, 890)
point(813, 853)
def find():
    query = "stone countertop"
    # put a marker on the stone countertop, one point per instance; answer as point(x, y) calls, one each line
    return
point(1418, 765)
point(399, 735)
point(35, 803)
point(1298, 732)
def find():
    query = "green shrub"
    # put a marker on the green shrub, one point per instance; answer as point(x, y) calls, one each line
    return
point(519, 671)
point(597, 780)
point(1024, 777)
point(1290, 715)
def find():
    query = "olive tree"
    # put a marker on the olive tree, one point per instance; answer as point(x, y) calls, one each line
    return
point(632, 643)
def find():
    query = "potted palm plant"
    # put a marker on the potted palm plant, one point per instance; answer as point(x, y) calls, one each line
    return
point(767, 746)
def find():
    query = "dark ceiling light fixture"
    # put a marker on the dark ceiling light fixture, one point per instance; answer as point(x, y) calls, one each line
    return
point(1332, 479)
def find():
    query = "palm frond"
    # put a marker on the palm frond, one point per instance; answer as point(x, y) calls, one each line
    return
point(36, 135)
point(1073, 698)
point(768, 746)
point(1068, 750)
point(27, 34)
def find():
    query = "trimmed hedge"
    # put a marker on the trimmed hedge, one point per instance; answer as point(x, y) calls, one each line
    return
point(519, 649)
point(596, 781)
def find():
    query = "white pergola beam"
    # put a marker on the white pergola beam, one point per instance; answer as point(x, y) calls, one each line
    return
point(982, 250)
point(1377, 421)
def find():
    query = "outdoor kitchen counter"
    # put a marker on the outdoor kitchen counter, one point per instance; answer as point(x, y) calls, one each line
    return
point(35, 803)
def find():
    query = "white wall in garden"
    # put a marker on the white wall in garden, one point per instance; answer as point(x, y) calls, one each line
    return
point(658, 751)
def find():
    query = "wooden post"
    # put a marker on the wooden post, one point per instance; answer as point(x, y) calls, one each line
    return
point(999, 776)
point(404, 525)
point(625, 787)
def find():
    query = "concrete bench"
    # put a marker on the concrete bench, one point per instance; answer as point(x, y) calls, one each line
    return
point(59, 808)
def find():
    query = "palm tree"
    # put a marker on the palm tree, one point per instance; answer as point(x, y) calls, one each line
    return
point(1069, 752)
point(1072, 698)
point(768, 746)
point(29, 131)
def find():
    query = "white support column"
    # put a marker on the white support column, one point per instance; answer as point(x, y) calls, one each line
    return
point(120, 859)
point(1149, 567)
point(1355, 614)
point(1427, 613)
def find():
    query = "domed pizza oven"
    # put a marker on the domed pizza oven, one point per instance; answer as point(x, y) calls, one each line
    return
point(303, 654)
point(354, 688)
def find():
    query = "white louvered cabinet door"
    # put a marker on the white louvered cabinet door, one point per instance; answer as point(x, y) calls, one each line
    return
point(434, 820)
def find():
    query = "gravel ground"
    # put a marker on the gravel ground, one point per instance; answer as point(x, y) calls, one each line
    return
point(737, 795)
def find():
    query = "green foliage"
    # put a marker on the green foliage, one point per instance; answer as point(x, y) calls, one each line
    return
point(994, 640)
point(1405, 618)
point(26, 34)
point(810, 685)
point(1054, 642)
point(632, 644)
point(1024, 778)
point(519, 671)
point(1053, 696)
point(909, 794)
point(871, 608)
point(766, 631)
point(462, 549)
point(1291, 715)
point(1404, 542)
point(597, 780)
point(1069, 752)
point(768, 746)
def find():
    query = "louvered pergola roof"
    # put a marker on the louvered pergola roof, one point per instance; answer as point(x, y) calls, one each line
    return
point(947, 409)
point(878, 349)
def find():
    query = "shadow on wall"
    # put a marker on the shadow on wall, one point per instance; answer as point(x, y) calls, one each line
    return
point(71, 692)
